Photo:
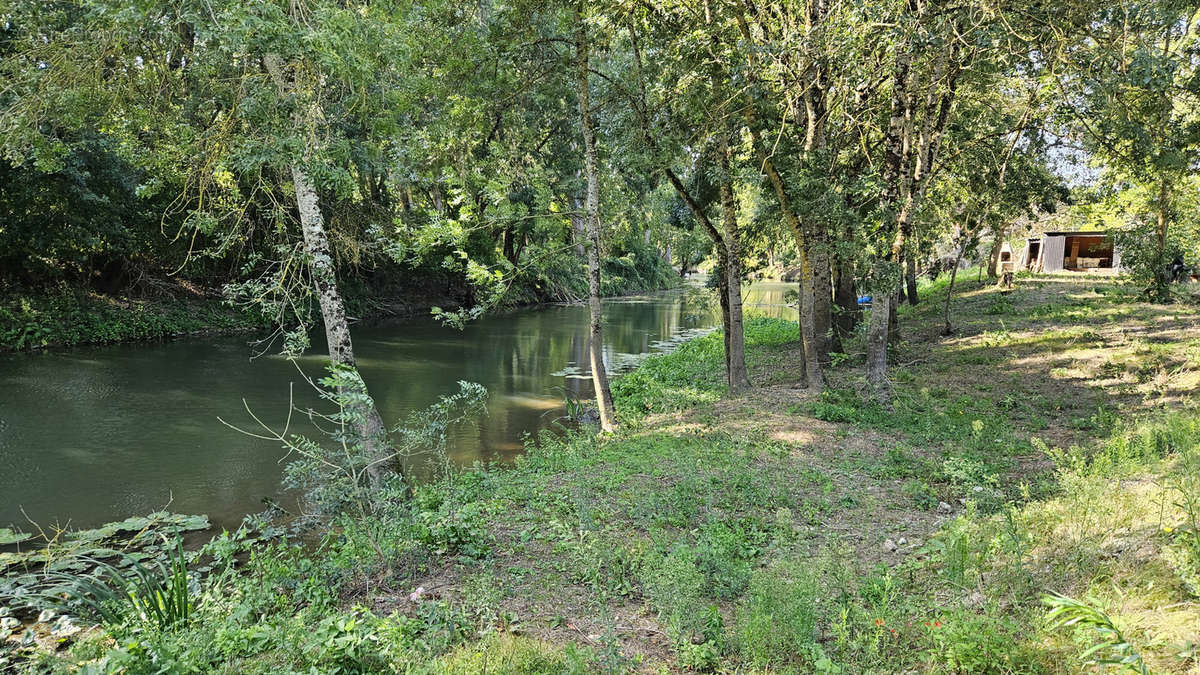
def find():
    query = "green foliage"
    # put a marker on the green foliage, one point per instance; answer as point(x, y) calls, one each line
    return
point(691, 375)
point(675, 585)
point(336, 476)
point(778, 622)
point(1108, 646)
point(160, 593)
point(45, 565)
point(972, 432)
point(84, 221)
point(1130, 447)
point(969, 642)
point(445, 528)
point(503, 652)
point(30, 321)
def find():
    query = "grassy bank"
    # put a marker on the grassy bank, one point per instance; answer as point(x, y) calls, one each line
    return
point(1050, 446)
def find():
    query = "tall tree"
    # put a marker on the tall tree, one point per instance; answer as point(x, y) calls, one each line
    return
point(929, 59)
point(591, 217)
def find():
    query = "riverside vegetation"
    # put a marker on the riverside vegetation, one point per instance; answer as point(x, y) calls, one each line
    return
point(989, 481)
point(69, 312)
point(1031, 504)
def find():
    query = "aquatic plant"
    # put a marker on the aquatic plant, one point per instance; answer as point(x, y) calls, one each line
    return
point(158, 592)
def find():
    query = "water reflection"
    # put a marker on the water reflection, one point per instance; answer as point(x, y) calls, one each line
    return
point(96, 434)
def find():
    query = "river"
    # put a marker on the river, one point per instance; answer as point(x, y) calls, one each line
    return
point(95, 434)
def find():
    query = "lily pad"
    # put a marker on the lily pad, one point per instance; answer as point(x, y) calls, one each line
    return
point(9, 559)
point(68, 565)
point(7, 537)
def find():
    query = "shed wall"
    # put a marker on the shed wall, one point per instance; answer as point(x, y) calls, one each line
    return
point(1053, 249)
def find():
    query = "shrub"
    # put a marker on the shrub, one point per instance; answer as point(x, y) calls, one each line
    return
point(966, 642)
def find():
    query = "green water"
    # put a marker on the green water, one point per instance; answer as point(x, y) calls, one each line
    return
point(92, 435)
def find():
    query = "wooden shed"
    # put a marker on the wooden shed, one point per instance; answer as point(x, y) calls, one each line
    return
point(1071, 251)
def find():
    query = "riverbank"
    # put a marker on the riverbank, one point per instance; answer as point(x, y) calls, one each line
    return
point(69, 316)
point(1049, 445)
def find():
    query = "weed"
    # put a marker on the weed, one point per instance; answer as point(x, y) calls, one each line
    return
point(777, 622)
point(1108, 646)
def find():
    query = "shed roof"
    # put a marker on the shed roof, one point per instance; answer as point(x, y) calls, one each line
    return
point(1062, 233)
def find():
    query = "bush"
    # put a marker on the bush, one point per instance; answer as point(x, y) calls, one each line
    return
point(965, 642)
point(66, 317)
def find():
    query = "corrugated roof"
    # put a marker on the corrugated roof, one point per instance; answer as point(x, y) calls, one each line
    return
point(1086, 233)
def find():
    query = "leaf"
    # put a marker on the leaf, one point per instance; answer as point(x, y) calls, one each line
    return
point(8, 537)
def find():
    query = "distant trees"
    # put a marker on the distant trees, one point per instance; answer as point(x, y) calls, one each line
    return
point(1128, 87)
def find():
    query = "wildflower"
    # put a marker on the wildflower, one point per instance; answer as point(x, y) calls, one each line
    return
point(878, 622)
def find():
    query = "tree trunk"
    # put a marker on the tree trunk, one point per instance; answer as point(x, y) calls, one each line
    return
point(592, 224)
point(735, 346)
point(822, 291)
point(723, 298)
point(333, 310)
point(1160, 264)
point(578, 229)
point(813, 358)
point(896, 151)
point(994, 255)
point(333, 314)
point(893, 321)
point(508, 236)
point(722, 258)
point(910, 276)
point(813, 374)
point(877, 336)
point(949, 329)
point(846, 312)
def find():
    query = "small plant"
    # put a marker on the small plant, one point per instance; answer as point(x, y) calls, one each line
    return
point(159, 593)
point(778, 622)
point(336, 475)
point(924, 497)
point(1111, 647)
point(999, 305)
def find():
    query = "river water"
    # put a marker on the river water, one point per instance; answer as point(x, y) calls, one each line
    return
point(96, 434)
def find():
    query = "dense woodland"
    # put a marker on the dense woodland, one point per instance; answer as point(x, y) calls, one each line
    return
point(296, 166)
